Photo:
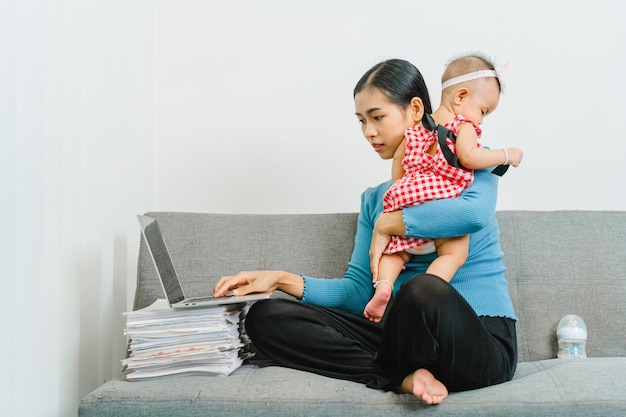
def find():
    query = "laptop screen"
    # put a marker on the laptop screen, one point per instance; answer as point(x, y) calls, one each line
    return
point(162, 260)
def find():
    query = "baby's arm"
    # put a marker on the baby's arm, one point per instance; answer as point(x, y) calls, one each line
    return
point(474, 157)
point(397, 170)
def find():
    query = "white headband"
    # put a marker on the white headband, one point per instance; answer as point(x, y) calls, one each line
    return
point(468, 77)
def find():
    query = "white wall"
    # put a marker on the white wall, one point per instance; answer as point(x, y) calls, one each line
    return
point(112, 108)
point(255, 110)
point(76, 162)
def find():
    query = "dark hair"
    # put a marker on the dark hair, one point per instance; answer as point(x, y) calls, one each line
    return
point(399, 81)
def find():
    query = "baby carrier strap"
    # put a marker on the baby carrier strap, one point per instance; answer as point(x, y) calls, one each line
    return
point(442, 134)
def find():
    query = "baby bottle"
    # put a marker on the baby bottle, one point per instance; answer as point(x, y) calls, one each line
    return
point(572, 336)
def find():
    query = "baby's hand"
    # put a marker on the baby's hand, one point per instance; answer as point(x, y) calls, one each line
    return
point(515, 156)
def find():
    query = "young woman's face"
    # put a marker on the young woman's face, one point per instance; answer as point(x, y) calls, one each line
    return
point(382, 122)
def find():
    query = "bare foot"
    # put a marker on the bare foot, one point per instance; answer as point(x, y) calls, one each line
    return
point(375, 309)
point(425, 387)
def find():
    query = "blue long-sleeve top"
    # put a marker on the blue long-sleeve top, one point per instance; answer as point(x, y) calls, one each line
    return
point(480, 280)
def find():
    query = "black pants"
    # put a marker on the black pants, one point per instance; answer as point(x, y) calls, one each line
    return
point(427, 325)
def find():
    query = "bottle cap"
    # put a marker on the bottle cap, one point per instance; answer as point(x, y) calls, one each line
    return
point(571, 327)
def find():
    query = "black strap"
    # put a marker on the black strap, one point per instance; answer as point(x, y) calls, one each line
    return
point(442, 134)
point(500, 170)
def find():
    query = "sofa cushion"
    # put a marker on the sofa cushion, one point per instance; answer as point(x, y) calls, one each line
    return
point(556, 387)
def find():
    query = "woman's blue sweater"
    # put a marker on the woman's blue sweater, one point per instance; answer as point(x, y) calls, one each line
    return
point(480, 280)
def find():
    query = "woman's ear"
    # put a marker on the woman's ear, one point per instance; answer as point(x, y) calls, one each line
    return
point(417, 107)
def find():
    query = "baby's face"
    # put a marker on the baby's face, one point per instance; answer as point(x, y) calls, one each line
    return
point(483, 98)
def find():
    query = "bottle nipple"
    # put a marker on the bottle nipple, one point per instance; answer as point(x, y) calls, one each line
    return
point(571, 327)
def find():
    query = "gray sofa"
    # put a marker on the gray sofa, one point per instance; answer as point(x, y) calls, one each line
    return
point(557, 263)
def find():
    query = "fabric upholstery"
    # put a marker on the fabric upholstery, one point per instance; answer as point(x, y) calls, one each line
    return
point(562, 262)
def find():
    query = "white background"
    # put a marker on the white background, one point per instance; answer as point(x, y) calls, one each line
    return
point(113, 108)
point(255, 110)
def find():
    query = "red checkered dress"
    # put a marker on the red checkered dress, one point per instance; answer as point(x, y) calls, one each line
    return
point(426, 178)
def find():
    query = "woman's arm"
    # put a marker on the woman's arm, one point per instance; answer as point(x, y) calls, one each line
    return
point(354, 290)
point(350, 292)
point(463, 215)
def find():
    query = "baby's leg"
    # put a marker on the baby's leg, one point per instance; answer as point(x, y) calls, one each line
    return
point(452, 253)
point(388, 271)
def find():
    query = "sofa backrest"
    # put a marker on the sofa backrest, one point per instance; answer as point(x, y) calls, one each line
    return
point(565, 262)
point(205, 247)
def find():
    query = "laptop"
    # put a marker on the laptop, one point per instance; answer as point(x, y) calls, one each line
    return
point(169, 279)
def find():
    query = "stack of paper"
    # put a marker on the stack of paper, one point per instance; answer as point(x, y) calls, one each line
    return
point(166, 341)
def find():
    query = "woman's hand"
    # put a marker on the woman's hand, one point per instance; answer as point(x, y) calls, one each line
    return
point(387, 225)
point(260, 281)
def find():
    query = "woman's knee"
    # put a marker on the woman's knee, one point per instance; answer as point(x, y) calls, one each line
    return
point(424, 290)
point(263, 317)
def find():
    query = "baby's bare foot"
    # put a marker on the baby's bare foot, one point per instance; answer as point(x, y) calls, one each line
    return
point(425, 387)
point(375, 309)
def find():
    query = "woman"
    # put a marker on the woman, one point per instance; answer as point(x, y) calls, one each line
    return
point(436, 336)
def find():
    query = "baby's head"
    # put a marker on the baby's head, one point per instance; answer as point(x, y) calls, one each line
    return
point(470, 86)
